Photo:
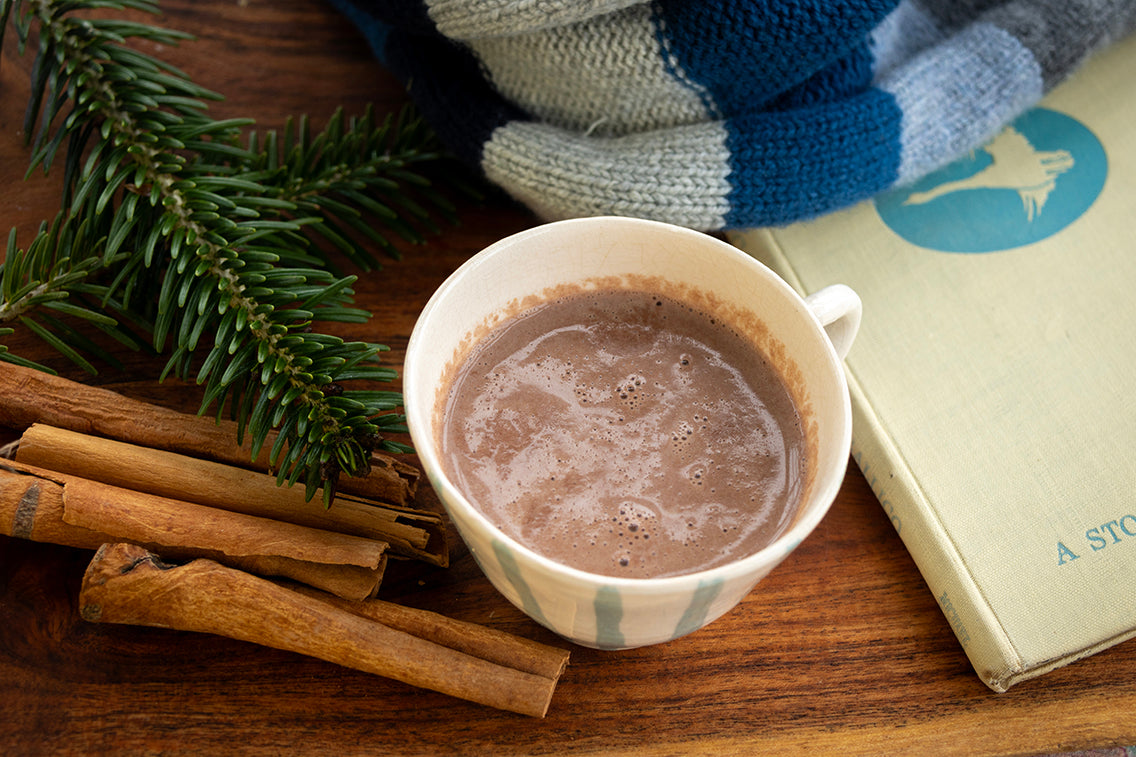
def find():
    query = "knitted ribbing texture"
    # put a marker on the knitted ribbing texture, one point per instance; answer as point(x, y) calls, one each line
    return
point(720, 114)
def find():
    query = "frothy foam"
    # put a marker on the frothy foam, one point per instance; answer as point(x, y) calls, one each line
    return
point(625, 434)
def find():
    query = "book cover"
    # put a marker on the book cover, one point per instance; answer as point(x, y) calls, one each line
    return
point(994, 376)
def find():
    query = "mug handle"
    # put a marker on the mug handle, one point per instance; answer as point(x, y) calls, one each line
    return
point(838, 309)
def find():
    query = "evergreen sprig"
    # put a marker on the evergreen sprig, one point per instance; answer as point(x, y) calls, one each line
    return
point(206, 240)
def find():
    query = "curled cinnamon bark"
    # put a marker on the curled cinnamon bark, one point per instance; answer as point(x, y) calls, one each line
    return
point(480, 641)
point(29, 396)
point(47, 506)
point(410, 533)
point(127, 584)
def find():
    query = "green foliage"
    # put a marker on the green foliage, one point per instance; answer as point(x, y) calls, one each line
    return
point(205, 241)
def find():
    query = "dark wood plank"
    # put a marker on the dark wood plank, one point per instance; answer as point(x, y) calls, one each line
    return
point(841, 650)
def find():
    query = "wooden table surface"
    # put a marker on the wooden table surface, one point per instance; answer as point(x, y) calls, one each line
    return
point(841, 650)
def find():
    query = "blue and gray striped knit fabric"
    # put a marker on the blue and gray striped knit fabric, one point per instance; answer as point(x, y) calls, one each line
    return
point(719, 114)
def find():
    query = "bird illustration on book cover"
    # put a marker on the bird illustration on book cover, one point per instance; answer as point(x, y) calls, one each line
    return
point(1036, 177)
point(1016, 165)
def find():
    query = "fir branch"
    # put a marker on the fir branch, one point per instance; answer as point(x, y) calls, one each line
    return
point(354, 171)
point(160, 197)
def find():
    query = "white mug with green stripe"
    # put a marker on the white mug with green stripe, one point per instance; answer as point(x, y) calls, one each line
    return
point(805, 338)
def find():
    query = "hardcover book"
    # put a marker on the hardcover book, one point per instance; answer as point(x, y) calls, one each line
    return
point(994, 376)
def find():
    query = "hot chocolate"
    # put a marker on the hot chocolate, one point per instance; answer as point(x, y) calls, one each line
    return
point(625, 434)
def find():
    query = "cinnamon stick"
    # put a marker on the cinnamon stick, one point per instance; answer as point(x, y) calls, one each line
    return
point(47, 506)
point(29, 396)
point(126, 584)
point(410, 533)
point(480, 641)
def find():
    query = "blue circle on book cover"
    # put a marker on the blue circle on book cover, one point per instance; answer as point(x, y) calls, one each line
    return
point(1040, 174)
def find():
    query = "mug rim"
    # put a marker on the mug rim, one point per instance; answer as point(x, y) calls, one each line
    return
point(770, 555)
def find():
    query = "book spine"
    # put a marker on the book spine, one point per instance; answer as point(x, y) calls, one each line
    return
point(915, 519)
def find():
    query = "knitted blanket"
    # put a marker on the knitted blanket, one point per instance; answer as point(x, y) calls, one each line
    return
point(725, 113)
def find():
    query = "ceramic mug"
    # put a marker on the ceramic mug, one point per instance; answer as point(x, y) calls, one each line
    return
point(806, 338)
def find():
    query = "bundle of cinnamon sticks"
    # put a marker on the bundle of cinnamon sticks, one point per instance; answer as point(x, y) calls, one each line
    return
point(191, 533)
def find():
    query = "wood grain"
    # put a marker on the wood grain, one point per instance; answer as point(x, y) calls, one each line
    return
point(841, 650)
